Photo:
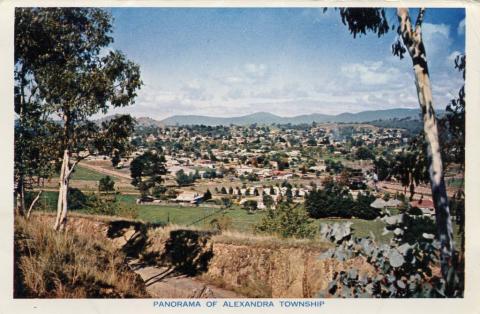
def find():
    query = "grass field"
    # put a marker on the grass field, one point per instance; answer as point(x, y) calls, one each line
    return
point(241, 220)
point(82, 173)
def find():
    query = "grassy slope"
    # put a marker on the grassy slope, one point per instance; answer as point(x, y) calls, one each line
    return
point(82, 173)
point(51, 264)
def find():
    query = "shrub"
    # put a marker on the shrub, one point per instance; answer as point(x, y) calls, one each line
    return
point(207, 196)
point(221, 223)
point(287, 222)
point(250, 205)
point(76, 199)
point(405, 268)
point(101, 206)
point(106, 184)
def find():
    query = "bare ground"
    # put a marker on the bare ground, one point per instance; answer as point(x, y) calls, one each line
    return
point(164, 282)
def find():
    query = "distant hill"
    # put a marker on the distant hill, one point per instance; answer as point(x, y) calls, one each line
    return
point(269, 118)
point(146, 121)
point(142, 121)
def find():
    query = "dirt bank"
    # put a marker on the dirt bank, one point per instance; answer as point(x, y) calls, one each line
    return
point(175, 261)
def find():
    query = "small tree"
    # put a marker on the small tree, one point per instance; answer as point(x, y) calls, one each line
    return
point(207, 195)
point(106, 184)
point(287, 221)
point(250, 205)
point(183, 179)
point(268, 201)
point(146, 171)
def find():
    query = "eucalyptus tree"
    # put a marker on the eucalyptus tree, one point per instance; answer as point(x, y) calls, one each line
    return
point(148, 171)
point(363, 20)
point(77, 76)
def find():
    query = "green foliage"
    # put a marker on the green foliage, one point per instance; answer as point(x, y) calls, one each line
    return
point(146, 171)
point(336, 201)
point(77, 199)
point(333, 166)
point(362, 209)
point(363, 20)
point(183, 179)
point(268, 201)
point(250, 205)
point(452, 124)
point(98, 205)
point(210, 173)
point(382, 168)
point(106, 184)
point(207, 195)
point(402, 269)
point(288, 222)
point(62, 65)
point(364, 153)
point(63, 56)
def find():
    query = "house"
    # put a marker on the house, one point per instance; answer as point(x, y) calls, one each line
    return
point(188, 197)
point(378, 203)
point(319, 168)
point(425, 205)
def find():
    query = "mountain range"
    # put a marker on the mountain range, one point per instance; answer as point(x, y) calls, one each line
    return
point(265, 118)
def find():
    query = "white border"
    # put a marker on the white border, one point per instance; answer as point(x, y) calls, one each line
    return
point(469, 304)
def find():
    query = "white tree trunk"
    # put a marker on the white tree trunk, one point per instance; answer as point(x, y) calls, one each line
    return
point(412, 39)
point(33, 204)
point(20, 198)
point(62, 204)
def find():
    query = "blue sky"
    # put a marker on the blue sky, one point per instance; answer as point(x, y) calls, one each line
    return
point(288, 61)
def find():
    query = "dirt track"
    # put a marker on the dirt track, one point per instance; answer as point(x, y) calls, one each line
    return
point(162, 282)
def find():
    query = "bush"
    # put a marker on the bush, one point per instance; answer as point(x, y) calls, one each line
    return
point(207, 196)
point(101, 206)
point(287, 222)
point(250, 205)
point(106, 184)
point(405, 268)
point(221, 223)
point(76, 199)
point(362, 209)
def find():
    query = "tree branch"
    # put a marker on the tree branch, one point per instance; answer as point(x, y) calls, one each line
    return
point(420, 18)
point(33, 203)
point(70, 169)
point(405, 23)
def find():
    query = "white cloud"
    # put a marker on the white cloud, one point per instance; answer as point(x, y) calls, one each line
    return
point(194, 91)
point(255, 71)
point(436, 37)
point(247, 74)
point(461, 27)
point(287, 91)
point(370, 73)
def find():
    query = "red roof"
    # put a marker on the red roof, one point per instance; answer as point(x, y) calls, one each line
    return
point(422, 204)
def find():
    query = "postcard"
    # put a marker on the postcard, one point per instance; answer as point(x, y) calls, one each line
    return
point(198, 157)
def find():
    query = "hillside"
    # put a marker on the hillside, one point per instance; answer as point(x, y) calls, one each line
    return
point(269, 118)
